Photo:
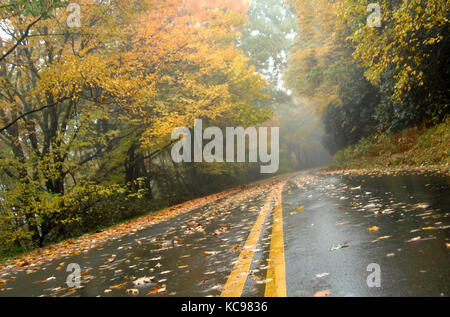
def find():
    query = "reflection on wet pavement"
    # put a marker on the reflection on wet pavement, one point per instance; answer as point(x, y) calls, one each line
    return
point(399, 222)
point(335, 226)
point(191, 255)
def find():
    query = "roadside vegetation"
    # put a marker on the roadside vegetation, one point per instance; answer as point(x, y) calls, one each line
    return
point(413, 147)
point(382, 92)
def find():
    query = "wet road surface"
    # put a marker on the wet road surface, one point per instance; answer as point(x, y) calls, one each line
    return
point(304, 235)
point(329, 245)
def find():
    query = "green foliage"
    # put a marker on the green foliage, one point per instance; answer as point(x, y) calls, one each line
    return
point(372, 79)
point(33, 8)
point(409, 147)
point(353, 117)
point(31, 216)
point(407, 58)
point(268, 36)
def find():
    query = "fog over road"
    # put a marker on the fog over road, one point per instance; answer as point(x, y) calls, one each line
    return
point(305, 234)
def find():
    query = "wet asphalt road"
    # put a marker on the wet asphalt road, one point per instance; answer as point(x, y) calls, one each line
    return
point(327, 244)
point(338, 211)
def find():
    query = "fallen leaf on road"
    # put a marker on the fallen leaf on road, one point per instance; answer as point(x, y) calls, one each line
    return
point(41, 282)
point(119, 286)
point(158, 289)
point(322, 275)
point(380, 238)
point(415, 239)
point(207, 253)
point(133, 291)
point(142, 281)
point(234, 248)
point(339, 246)
point(264, 281)
point(322, 293)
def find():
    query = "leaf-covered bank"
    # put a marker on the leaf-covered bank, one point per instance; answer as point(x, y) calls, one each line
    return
point(412, 147)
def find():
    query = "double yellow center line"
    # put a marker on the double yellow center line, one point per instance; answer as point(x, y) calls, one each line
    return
point(276, 274)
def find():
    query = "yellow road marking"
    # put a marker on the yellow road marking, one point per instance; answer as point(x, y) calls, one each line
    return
point(276, 272)
point(237, 278)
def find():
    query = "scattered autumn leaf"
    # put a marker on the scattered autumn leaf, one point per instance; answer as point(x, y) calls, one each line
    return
point(158, 289)
point(208, 253)
point(380, 238)
point(267, 280)
point(119, 286)
point(414, 239)
point(235, 248)
point(322, 293)
point(133, 291)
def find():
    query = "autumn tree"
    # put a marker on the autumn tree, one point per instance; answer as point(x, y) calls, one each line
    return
point(85, 111)
point(407, 57)
point(268, 36)
point(38, 10)
point(372, 79)
point(322, 68)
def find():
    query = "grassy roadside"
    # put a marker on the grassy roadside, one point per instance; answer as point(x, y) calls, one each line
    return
point(415, 147)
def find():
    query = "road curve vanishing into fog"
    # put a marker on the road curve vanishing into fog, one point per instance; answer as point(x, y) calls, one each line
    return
point(305, 234)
